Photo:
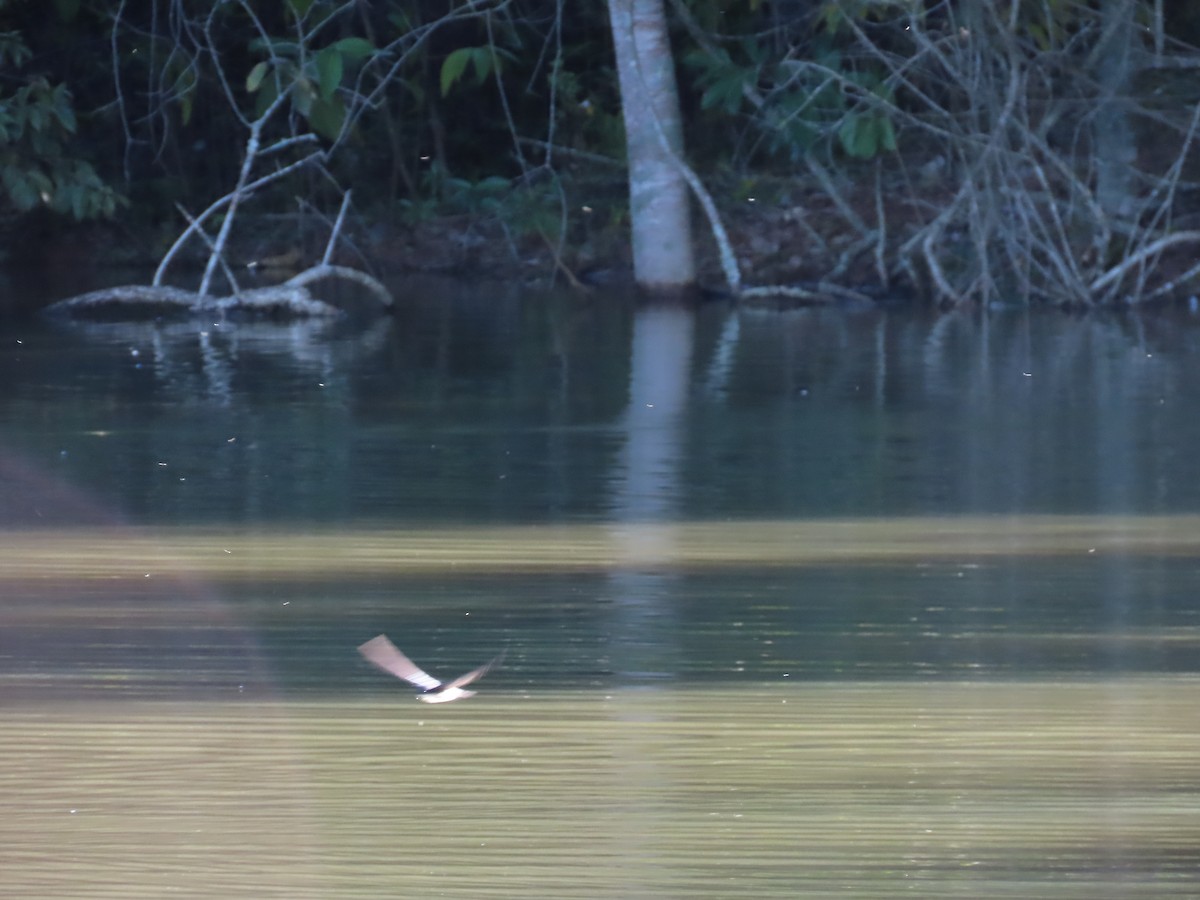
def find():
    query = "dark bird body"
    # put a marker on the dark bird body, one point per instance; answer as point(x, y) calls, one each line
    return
point(381, 652)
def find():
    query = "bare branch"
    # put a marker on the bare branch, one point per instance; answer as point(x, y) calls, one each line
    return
point(1120, 270)
point(337, 230)
point(221, 203)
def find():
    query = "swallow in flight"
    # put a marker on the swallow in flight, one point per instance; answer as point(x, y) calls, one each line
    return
point(381, 652)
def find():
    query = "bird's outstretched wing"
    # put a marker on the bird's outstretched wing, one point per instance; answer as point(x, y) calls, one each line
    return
point(381, 652)
point(475, 674)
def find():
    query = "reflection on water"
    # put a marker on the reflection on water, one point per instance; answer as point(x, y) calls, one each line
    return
point(815, 604)
point(502, 408)
point(1075, 789)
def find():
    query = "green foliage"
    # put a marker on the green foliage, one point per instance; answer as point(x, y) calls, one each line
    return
point(805, 92)
point(329, 71)
point(446, 193)
point(37, 126)
point(13, 50)
point(255, 79)
point(867, 131)
point(327, 116)
point(453, 67)
point(485, 196)
point(354, 49)
point(584, 120)
point(864, 135)
point(484, 60)
point(724, 82)
point(520, 208)
point(312, 79)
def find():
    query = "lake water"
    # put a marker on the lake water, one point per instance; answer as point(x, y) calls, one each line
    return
point(816, 603)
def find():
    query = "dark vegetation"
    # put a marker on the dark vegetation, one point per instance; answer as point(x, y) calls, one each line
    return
point(1013, 151)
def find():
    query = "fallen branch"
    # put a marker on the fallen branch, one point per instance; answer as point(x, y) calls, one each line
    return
point(292, 298)
point(821, 293)
point(317, 273)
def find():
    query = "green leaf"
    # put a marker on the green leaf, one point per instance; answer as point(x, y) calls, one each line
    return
point(303, 96)
point(493, 184)
point(61, 107)
point(275, 47)
point(355, 49)
point(13, 48)
point(65, 114)
point(856, 138)
point(755, 52)
point(255, 78)
point(483, 60)
point(35, 115)
point(266, 97)
point(454, 66)
point(329, 71)
point(725, 93)
point(327, 117)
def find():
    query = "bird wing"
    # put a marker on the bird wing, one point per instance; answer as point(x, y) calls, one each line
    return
point(381, 652)
point(474, 674)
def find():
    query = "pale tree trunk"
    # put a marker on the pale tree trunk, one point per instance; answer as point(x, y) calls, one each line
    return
point(1116, 148)
point(658, 194)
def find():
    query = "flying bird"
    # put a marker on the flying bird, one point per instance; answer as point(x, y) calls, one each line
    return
point(381, 652)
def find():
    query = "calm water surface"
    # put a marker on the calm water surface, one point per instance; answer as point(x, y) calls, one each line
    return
point(804, 604)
